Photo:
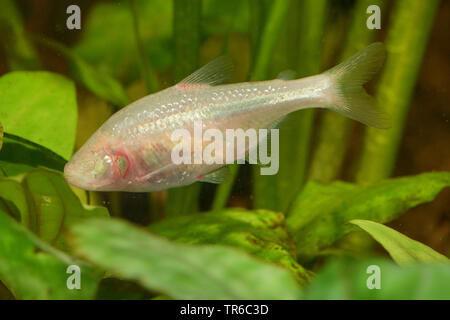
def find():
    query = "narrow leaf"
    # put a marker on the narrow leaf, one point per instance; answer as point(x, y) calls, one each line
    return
point(379, 279)
point(401, 248)
point(320, 213)
point(405, 51)
point(100, 83)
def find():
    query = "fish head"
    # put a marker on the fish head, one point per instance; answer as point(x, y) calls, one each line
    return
point(97, 167)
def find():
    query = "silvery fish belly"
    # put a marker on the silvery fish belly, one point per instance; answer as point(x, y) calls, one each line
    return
point(132, 151)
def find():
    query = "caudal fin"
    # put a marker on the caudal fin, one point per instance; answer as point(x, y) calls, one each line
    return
point(350, 97)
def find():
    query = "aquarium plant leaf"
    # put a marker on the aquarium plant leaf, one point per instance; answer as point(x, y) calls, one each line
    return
point(186, 27)
point(259, 232)
point(296, 129)
point(181, 271)
point(1, 136)
point(220, 18)
point(348, 279)
point(147, 73)
point(334, 129)
point(319, 215)
point(19, 50)
point(20, 155)
point(405, 51)
point(264, 188)
point(108, 41)
point(223, 190)
point(31, 269)
point(98, 82)
point(40, 107)
point(401, 248)
point(43, 202)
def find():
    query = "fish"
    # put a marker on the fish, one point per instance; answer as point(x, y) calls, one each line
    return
point(131, 151)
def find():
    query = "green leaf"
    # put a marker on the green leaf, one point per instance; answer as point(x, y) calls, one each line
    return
point(20, 155)
point(259, 232)
point(401, 248)
point(40, 107)
point(100, 83)
point(348, 279)
point(45, 204)
point(395, 90)
point(1, 136)
point(319, 215)
point(31, 269)
point(19, 51)
point(306, 28)
point(108, 41)
point(334, 129)
point(179, 270)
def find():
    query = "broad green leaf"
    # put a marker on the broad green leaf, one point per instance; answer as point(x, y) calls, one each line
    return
point(19, 51)
point(319, 214)
point(41, 107)
point(401, 248)
point(42, 201)
point(108, 41)
point(31, 269)
point(100, 83)
point(259, 232)
point(348, 279)
point(179, 270)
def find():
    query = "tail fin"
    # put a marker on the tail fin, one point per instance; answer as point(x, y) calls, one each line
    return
point(351, 99)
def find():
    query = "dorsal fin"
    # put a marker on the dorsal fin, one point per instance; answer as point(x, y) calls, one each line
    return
point(215, 72)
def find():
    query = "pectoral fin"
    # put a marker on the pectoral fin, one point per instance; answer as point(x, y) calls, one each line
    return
point(217, 176)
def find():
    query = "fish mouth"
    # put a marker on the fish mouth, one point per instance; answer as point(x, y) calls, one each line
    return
point(76, 179)
point(79, 181)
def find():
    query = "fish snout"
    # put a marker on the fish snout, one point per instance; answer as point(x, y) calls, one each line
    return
point(77, 176)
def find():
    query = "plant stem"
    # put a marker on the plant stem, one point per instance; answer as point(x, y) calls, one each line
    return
point(224, 190)
point(147, 72)
point(276, 192)
point(256, 24)
point(406, 47)
point(264, 191)
point(269, 39)
point(186, 26)
point(333, 135)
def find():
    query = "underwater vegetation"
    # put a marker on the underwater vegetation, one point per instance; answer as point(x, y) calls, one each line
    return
point(328, 225)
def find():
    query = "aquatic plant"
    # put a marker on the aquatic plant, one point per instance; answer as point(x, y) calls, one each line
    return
point(286, 236)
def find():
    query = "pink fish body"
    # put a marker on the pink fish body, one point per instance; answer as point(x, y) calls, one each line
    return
point(132, 150)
